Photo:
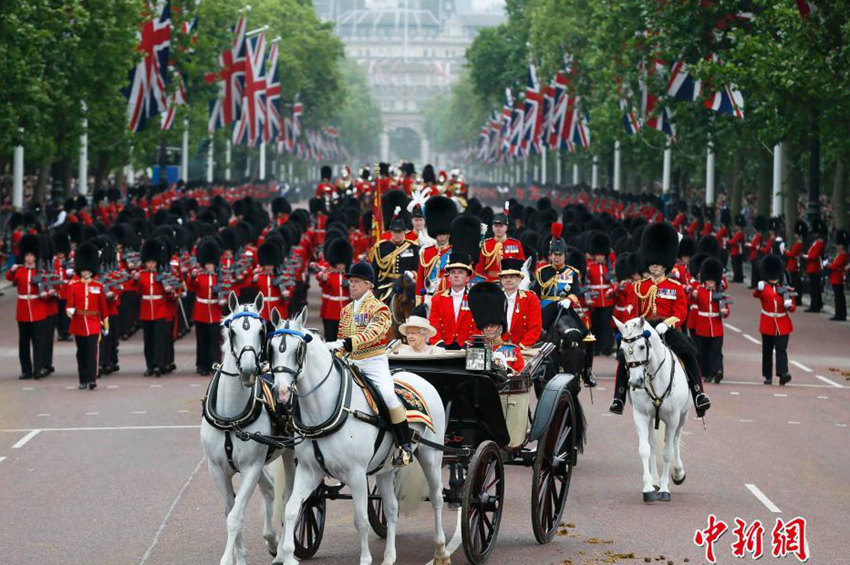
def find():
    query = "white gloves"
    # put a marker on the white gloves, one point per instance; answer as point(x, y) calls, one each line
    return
point(500, 359)
point(662, 328)
point(566, 303)
point(334, 345)
point(788, 304)
point(760, 286)
point(70, 312)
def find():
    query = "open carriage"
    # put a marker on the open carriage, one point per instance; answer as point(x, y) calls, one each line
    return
point(490, 425)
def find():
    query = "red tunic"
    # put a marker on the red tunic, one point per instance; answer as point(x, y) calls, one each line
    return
point(87, 301)
point(335, 295)
point(813, 257)
point(31, 306)
point(755, 243)
point(265, 283)
point(792, 256)
point(625, 301)
point(665, 300)
point(526, 322)
point(708, 320)
point(155, 302)
point(597, 282)
point(492, 253)
point(207, 308)
point(774, 316)
point(837, 269)
point(442, 317)
point(736, 244)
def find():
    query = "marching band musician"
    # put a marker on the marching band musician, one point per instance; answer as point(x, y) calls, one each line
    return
point(325, 189)
point(394, 258)
point(711, 309)
point(113, 291)
point(155, 312)
point(664, 304)
point(439, 213)
point(31, 310)
point(268, 281)
point(813, 258)
point(499, 247)
point(88, 312)
point(523, 323)
point(760, 225)
point(206, 314)
point(599, 280)
point(775, 323)
point(450, 313)
point(335, 295)
point(363, 332)
point(488, 304)
point(61, 259)
point(735, 246)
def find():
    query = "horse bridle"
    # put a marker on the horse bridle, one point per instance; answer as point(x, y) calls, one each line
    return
point(648, 387)
point(246, 316)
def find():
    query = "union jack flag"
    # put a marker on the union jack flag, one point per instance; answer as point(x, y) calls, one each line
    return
point(226, 108)
point(559, 110)
point(653, 117)
point(507, 116)
point(484, 141)
point(728, 100)
point(683, 86)
point(548, 112)
point(517, 119)
point(249, 128)
point(531, 115)
point(272, 125)
point(494, 140)
point(177, 98)
point(147, 95)
point(805, 8)
point(630, 121)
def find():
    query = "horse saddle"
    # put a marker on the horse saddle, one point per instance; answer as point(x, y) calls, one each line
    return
point(414, 405)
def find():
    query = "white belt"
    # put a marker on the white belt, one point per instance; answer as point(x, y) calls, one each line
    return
point(335, 298)
point(271, 298)
point(621, 308)
point(207, 300)
point(598, 286)
point(151, 296)
point(710, 314)
point(28, 296)
point(774, 314)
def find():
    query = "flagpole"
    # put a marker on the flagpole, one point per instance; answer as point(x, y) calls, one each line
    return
point(668, 158)
point(210, 164)
point(575, 173)
point(184, 156)
point(617, 166)
point(544, 175)
point(131, 173)
point(558, 166)
point(82, 180)
point(709, 175)
point(18, 175)
point(594, 175)
point(263, 160)
point(778, 170)
point(227, 159)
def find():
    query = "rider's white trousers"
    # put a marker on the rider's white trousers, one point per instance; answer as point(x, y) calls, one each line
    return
point(377, 370)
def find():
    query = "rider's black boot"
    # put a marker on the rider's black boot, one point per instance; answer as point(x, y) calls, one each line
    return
point(404, 455)
point(701, 400)
point(620, 384)
point(587, 374)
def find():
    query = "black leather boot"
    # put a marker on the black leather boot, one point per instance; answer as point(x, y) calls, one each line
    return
point(620, 384)
point(701, 400)
point(587, 374)
point(404, 455)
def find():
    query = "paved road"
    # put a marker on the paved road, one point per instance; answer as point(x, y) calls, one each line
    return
point(117, 475)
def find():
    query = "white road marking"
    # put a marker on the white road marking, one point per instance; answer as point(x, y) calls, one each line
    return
point(823, 397)
point(751, 338)
point(140, 412)
point(606, 414)
point(2, 459)
point(454, 543)
point(91, 413)
point(42, 415)
point(182, 411)
point(800, 366)
point(793, 422)
point(156, 386)
point(97, 429)
point(841, 425)
point(70, 387)
point(746, 421)
point(111, 386)
point(789, 385)
point(174, 504)
point(780, 395)
point(731, 327)
point(195, 385)
point(27, 388)
point(600, 388)
point(829, 381)
point(23, 441)
point(763, 499)
point(734, 393)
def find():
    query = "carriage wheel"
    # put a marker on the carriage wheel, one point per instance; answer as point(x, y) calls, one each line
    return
point(311, 525)
point(553, 468)
point(375, 511)
point(483, 497)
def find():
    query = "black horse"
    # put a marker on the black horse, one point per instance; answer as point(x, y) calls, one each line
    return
point(564, 328)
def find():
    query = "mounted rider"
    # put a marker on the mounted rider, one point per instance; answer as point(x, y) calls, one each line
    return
point(499, 247)
point(395, 257)
point(363, 332)
point(663, 302)
point(439, 213)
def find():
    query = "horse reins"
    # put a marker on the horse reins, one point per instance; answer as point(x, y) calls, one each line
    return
point(648, 387)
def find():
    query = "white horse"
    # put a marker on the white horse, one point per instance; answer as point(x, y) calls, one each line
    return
point(659, 391)
point(527, 274)
point(306, 370)
point(232, 404)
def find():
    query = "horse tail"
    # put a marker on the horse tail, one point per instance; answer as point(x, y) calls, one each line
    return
point(581, 425)
point(279, 477)
point(410, 487)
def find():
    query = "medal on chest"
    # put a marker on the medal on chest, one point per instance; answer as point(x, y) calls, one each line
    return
point(666, 293)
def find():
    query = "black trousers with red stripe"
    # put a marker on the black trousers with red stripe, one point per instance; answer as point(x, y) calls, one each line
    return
point(86, 357)
point(208, 350)
point(31, 339)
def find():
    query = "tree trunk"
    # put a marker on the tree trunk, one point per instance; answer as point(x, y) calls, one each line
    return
point(839, 195)
point(765, 187)
point(101, 169)
point(735, 199)
point(41, 183)
point(792, 180)
point(65, 175)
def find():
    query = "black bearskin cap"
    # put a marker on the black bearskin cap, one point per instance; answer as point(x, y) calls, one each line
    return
point(801, 228)
point(625, 266)
point(209, 251)
point(709, 245)
point(230, 239)
point(659, 244)
point(389, 201)
point(153, 250)
point(281, 205)
point(269, 253)
point(317, 205)
point(488, 303)
point(771, 267)
point(711, 270)
point(326, 172)
point(695, 264)
point(687, 247)
point(842, 238)
point(466, 236)
point(339, 250)
point(439, 213)
point(428, 175)
point(61, 242)
point(599, 243)
point(29, 244)
point(87, 258)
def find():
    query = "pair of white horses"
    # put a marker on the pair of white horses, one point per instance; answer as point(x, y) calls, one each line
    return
point(304, 368)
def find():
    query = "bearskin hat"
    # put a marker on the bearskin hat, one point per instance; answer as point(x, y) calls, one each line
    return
point(488, 303)
point(389, 202)
point(760, 223)
point(725, 217)
point(61, 242)
point(338, 251)
point(269, 254)
point(711, 270)
point(428, 175)
point(486, 215)
point(687, 247)
point(87, 258)
point(317, 205)
point(466, 236)
point(771, 267)
point(281, 205)
point(153, 250)
point(599, 243)
point(29, 244)
point(439, 213)
point(326, 172)
point(740, 220)
point(695, 264)
point(544, 204)
point(659, 244)
point(473, 207)
point(819, 227)
point(709, 245)
point(530, 241)
point(842, 238)
point(625, 245)
point(576, 259)
point(801, 228)
point(625, 266)
point(384, 169)
point(230, 240)
point(209, 251)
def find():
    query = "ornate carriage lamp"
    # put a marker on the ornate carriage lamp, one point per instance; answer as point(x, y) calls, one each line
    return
point(479, 357)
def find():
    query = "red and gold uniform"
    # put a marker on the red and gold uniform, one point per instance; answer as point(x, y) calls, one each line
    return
point(452, 330)
point(31, 315)
point(432, 262)
point(524, 319)
point(663, 300)
point(89, 315)
point(493, 250)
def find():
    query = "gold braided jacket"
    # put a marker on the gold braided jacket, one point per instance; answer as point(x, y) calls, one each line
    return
point(368, 327)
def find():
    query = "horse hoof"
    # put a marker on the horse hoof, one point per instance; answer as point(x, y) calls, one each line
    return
point(678, 482)
point(656, 487)
point(273, 552)
point(664, 497)
point(443, 560)
point(650, 496)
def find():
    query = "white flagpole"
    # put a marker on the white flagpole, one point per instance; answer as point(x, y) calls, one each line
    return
point(131, 172)
point(558, 167)
point(665, 179)
point(18, 176)
point(575, 173)
point(709, 175)
point(617, 166)
point(83, 177)
point(210, 164)
point(778, 166)
point(227, 159)
point(262, 160)
point(544, 174)
point(594, 175)
point(184, 157)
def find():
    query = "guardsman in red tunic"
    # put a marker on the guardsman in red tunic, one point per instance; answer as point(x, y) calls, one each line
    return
point(339, 254)
point(88, 312)
point(450, 314)
point(488, 304)
point(439, 213)
point(837, 272)
point(155, 312)
point(775, 323)
point(31, 311)
point(625, 303)
point(61, 268)
point(813, 258)
point(524, 315)
point(792, 258)
point(326, 190)
point(711, 308)
point(735, 246)
point(664, 304)
point(600, 283)
point(206, 313)
point(281, 209)
point(498, 247)
point(687, 248)
point(269, 281)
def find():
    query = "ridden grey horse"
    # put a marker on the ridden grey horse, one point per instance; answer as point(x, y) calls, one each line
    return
point(659, 393)
point(232, 403)
point(333, 439)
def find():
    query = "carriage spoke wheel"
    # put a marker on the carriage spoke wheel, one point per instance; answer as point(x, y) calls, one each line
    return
point(311, 525)
point(375, 512)
point(483, 496)
point(553, 470)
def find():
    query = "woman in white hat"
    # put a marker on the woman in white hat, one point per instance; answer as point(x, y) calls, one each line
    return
point(418, 331)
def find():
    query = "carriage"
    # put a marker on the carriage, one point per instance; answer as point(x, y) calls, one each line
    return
point(490, 425)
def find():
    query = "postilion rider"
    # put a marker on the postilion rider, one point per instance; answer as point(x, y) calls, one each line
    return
point(363, 332)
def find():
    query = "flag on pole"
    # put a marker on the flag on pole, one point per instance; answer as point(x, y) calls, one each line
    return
point(530, 144)
point(507, 117)
point(683, 86)
point(272, 126)
point(805, 8)
point(230, 76)
point(249, 128)
point(559, 110)
point(548, 113)
point(653, 115)
point(177, 98)
point(147, 95)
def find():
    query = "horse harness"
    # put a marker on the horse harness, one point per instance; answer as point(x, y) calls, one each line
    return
point(648, 387)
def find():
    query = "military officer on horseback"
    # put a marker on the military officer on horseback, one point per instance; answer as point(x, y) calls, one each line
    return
point(498, 248)
point(663, 302)
point(553, 281)
point(363, 332)
point(394, 258)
